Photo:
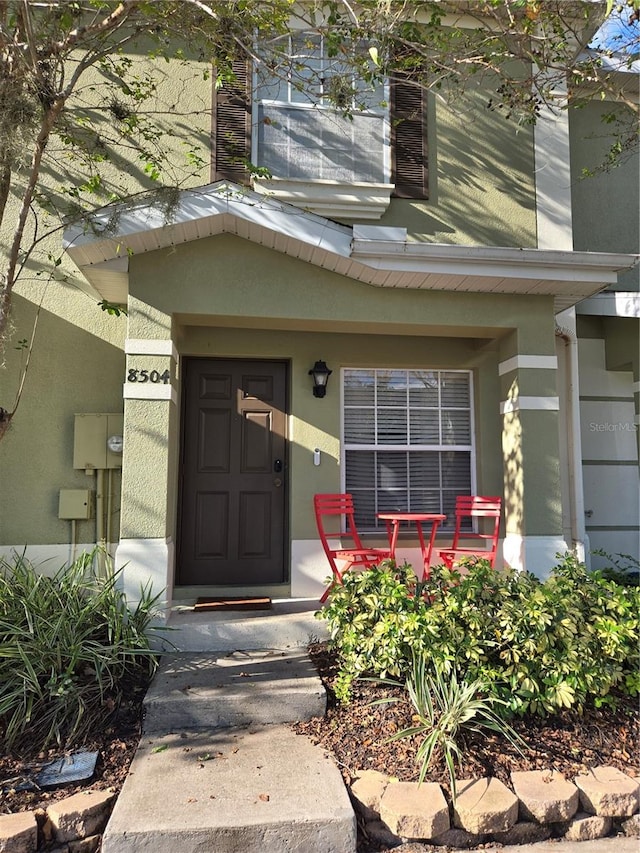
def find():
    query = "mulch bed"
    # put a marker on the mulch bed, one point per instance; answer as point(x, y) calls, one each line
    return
point(116, 745)
point(357, 735)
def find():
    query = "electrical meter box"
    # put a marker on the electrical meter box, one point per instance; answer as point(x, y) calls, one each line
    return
point(91, 441)
point(75, 504)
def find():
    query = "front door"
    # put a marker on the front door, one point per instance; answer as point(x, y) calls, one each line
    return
point(233, 480)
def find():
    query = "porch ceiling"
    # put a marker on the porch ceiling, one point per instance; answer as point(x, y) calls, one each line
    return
point(378, 256)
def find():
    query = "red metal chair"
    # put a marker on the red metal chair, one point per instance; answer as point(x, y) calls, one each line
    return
point(339, 509)
point(469, 507)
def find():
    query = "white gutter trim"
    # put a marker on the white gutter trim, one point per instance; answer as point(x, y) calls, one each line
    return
point(225, 208)
point(538, 263)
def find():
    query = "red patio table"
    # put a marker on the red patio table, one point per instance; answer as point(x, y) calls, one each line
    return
point(393, 520)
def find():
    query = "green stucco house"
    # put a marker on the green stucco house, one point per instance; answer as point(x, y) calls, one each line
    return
point(476, 302)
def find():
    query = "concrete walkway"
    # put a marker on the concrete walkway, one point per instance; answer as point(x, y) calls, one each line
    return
point(218, 770)
point(620, 844)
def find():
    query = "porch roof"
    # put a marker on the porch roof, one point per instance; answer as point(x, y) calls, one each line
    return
point(375, 255)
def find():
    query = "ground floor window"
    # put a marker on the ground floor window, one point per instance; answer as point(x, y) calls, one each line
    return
point(407, 440)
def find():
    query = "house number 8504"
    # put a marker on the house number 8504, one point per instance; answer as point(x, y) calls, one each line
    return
point(154, 376)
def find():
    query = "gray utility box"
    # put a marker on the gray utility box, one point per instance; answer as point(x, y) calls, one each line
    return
point(91, 433)
point(75, 504)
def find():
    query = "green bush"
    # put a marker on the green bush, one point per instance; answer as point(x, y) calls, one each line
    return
point(69, 646)
point(538, 646)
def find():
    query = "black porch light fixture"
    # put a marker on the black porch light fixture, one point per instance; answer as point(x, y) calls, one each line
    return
point(321, 374)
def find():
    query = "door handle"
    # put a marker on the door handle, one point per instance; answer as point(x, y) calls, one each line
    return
point(277, 466)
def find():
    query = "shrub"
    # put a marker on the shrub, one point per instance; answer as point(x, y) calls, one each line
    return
point(446, 708)
point(623, 569)
point(69, 645)
point(374, 622)
point(538, 646)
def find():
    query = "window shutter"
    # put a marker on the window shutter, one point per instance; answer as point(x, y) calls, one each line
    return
point(231, 132)
point(409, 139)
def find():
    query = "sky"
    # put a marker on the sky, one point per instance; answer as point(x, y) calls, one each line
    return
point(616, 34)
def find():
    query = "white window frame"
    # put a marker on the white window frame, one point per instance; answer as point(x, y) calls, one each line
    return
point(382, 112)
point(407, 448)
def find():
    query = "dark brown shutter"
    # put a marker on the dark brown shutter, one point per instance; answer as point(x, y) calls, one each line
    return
point(409, 139)
point(231, 132)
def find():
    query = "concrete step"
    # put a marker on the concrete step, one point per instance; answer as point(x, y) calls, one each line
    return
point(288, 624)
point(253, 790)
point(238, 689)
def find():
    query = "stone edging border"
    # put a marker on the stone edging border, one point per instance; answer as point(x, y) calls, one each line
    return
point(542, 804)
point(75, 824)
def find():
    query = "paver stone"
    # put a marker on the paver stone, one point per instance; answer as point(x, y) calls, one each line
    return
point(18, 833)
point(608, 792)
point(415, 811)
point(523, 832)
point(367, 791)
point(81, 815)
point(631, 826)
point(485, 806)
point(587, 827)
point(545, 796)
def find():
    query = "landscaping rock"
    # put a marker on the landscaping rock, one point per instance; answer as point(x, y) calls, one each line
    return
point(585, 827)
point(545, 796)
point(18, 833)
point(367, 791)
point(524, 832)
point(86, 845)
point(81, 815)
point(608, 792)
point(631, 827)
point(458, 838)
point(415, 811)
point(484, 806)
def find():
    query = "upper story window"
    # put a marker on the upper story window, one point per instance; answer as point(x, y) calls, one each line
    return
point(318, 123)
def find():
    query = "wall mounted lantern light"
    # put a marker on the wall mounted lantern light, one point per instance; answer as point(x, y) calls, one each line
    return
point(321, 374)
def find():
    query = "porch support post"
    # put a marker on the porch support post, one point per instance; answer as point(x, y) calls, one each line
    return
point(530, 444)
point(145, 552)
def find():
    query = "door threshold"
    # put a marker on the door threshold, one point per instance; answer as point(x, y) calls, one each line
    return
point(190, 594)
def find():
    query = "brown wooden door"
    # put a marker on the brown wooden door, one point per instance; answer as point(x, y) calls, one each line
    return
point(233, 478)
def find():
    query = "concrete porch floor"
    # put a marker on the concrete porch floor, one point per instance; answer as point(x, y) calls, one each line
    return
point(289, 623)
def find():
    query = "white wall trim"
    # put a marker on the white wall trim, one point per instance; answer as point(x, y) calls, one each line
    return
point(309, 568)
point(329, 198)
point(144, 346)
point(146, 562)
point(636, 387)
point(536, 362)
point(47, 559)
point(147, 391)
point(552, 155)
point(614, 303)
point(517, 404)
point(535, 554)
